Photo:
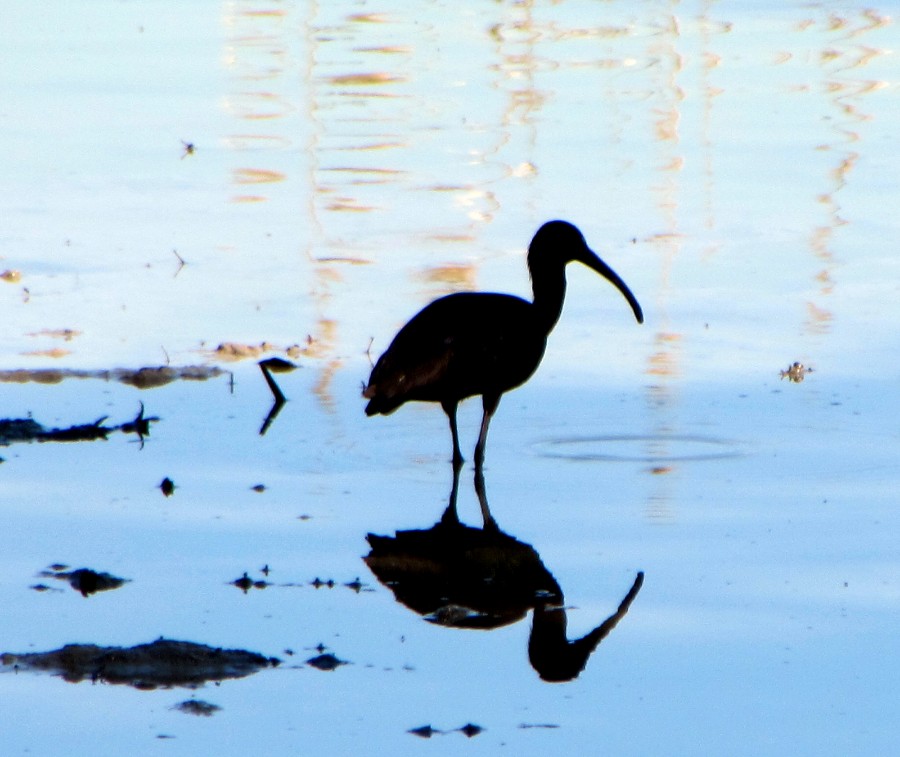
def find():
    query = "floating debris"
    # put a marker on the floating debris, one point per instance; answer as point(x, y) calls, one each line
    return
point(83, 580)
point(326, 661)
point(197, 707)
point(278, 365)
point(27, 430)
point(14, 430)
point(163, 663)
point(167, 486)
point(258, 488)
point(189, 149)
point(245, 583)
point(140, 425)
point(423, 731)
point(269, 366)
point(42, 587)
point(19, 430)
point(796, 372)
point(356, 585)
point(427, 731)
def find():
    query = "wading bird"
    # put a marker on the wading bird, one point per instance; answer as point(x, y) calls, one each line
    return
point(473, 343)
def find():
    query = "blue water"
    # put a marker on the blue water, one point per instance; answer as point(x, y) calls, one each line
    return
point(735, 167)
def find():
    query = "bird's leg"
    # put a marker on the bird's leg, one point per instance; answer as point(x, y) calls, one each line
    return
point(450, 516)
point(488, 522)
point(490, 402)
point(450, 408)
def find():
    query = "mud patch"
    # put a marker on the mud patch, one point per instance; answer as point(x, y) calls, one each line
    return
point(197, 707)
point(141, 378)
point(164, 663)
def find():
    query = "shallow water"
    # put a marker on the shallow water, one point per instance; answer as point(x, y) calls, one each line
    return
point(736, 164)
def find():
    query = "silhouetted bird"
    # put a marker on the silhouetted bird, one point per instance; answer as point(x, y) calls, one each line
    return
point(482, 343)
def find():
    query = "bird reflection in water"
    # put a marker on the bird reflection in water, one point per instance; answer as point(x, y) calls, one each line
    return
point(483, 578)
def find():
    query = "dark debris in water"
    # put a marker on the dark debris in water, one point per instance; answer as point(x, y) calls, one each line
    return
point(326, 661)
point(83, 580)
point(423, 731)
point(42, 587)
point(278, 365)
point(197, 707)
point(245, 583)
point(355, 585)
point(427, 731)
point(17, 430)
point(167, 486)
point(163, 663)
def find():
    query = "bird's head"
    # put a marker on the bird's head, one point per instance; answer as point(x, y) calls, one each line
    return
point(560, 242)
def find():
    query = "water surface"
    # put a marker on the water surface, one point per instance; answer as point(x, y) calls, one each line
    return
point(735, 163)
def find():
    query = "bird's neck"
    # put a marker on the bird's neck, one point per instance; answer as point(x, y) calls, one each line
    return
point(549, 286)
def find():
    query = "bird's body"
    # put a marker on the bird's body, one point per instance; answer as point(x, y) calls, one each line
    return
point(477, 343)
point(459, 346)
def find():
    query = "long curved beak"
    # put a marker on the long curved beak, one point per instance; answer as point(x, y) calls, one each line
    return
point(591, 260)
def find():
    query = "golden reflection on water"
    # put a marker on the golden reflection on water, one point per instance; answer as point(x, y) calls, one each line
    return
point(257, 58)
point(381, 128)
point(840, 62)
point(663, 363)
point(256, 176)
point(445, 279)
point(840, 56)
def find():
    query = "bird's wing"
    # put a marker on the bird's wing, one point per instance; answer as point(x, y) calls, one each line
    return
point(417, 358)
point(450, 348)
